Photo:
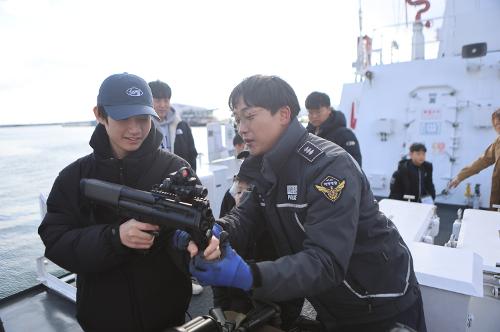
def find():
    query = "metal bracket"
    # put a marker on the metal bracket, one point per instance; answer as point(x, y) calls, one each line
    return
point(60, 285)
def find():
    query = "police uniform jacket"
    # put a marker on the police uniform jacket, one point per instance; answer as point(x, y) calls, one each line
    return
point(335, 247)
point(118, 288)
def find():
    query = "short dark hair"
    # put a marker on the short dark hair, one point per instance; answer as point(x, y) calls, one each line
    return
point(418, 147)
point(237, 140)
point(102, 112)
point(316, 100)
point(160, 89)
point(269, 92)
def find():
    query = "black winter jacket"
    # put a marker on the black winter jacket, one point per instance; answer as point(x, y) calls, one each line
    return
point(412, 180)
point(184, 144)
point(334, 129)
point(118, 288)
point(335, 247)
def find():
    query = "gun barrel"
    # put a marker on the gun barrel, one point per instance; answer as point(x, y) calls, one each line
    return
point(142, 203)
point(198, 324)
point(111, 193)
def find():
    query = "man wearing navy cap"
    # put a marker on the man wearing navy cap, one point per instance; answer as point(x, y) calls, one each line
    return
point(128, 279)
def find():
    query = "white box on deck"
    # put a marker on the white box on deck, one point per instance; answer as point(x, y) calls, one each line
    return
point(448, 277)
point(412, 219)
point(480, 233)
point(440, 267)
point(214, 178)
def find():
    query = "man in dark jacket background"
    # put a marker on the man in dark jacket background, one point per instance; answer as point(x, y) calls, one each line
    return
point(177, 135)
point(330, 124)
point(128, 279)
point(414, 177)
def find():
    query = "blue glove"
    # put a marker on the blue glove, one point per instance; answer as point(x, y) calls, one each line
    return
point(230, 271)
point(180, 239)
point(216, 230)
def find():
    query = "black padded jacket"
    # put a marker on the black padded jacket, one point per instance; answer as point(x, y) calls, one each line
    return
point(412, 180)
point(118, 288)
point(334, 129)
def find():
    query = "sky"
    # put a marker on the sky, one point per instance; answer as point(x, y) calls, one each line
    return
point(55, 53)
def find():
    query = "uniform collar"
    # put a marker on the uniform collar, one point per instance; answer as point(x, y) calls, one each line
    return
point(276, 158)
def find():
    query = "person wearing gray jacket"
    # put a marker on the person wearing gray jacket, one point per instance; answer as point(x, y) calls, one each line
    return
point(335, 247)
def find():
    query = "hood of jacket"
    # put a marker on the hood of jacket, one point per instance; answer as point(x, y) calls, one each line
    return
point(99, 141)
point(132, 166)
point(404, 163)
point(334, 121)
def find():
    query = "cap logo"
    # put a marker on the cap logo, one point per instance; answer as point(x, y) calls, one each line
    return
point(134, 92)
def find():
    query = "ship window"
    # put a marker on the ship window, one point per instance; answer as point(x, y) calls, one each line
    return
point(432, 98)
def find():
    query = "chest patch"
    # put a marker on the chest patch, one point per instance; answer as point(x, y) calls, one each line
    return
point(331, 187)
point(291, 192)
point(310, 151)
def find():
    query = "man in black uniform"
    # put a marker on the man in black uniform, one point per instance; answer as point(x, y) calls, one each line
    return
point(128, 279)
point(334, 245)
point(330, 124)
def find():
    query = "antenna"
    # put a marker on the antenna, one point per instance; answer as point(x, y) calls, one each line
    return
point(360, 16)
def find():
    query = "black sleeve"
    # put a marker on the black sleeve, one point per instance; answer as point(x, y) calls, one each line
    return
point(429, 183)
point(191, 148)
point(348, 141)
point(330, 228)
point(228, 203)
point(243, 223)
point(396, 186)
point(70, 241)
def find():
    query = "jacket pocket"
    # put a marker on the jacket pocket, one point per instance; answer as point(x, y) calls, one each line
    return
point(297, 220)
point(380, 274)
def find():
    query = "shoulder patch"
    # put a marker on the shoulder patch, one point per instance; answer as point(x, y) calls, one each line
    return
point(331, 187)
point(310, 151)
point(350, 143)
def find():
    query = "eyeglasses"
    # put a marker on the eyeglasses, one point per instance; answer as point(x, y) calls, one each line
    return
point(247, 116)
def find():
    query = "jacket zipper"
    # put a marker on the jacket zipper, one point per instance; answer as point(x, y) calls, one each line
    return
point(419, 185)
point(120, 163)
point(128, 273)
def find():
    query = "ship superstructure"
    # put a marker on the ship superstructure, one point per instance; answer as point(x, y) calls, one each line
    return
point(443, 100)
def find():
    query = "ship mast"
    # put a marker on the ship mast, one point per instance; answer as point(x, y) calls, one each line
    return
point(418, 41)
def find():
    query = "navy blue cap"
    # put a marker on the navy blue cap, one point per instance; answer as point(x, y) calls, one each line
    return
point(125, 95)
